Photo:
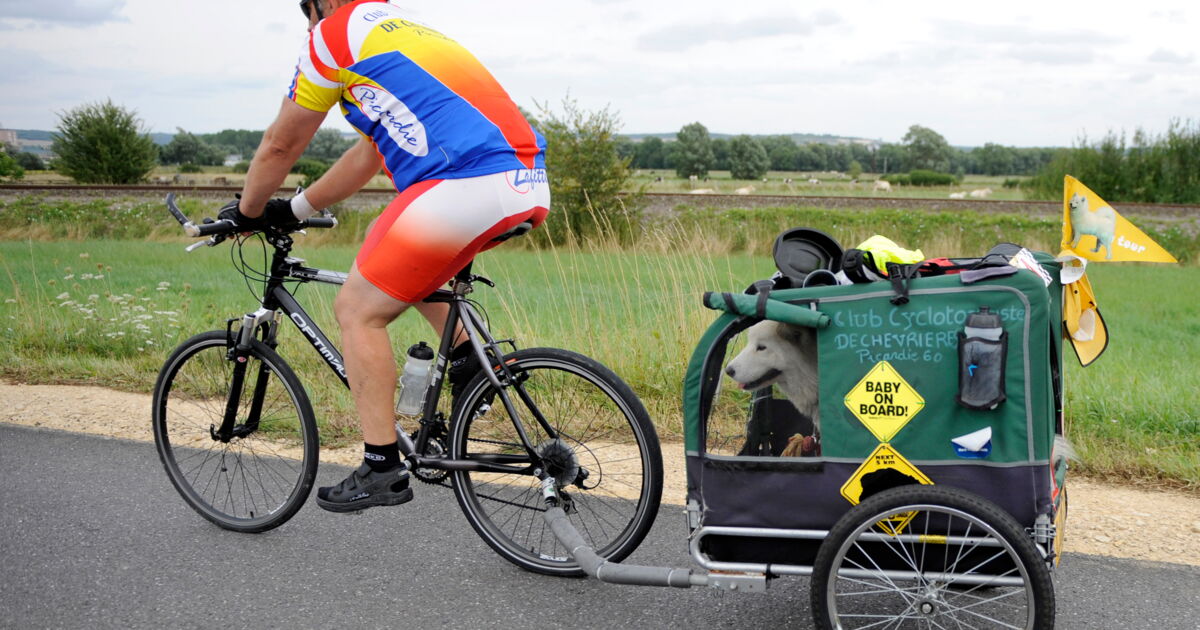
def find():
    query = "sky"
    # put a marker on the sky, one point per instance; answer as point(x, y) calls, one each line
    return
point(1017, 73)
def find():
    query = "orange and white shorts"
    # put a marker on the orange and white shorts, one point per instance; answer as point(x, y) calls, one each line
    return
point(435, 227)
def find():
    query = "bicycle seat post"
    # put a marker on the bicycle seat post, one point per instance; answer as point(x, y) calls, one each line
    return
point(463, 280)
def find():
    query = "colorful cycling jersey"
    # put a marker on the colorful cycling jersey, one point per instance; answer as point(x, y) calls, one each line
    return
point(430, 108)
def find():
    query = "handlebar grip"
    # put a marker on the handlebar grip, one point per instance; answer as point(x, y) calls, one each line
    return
point(320, 222)
point(175, 211)
point(210, 229)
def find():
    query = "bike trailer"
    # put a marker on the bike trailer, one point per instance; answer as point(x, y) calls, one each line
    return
point(949, 379)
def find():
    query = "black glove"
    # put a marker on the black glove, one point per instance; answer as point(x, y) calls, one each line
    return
point(278, 213)
point(231, 212)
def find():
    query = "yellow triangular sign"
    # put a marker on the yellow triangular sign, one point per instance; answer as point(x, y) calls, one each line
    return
point(1093, 230)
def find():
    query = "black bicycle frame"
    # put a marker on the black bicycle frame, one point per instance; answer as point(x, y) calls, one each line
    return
point(277, 299)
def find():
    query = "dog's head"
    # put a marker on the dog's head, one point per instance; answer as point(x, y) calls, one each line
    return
point(1078, 203)
point(771, 349)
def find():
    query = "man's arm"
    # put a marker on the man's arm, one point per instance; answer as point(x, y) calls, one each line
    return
point(282, 144)
point(351, 172)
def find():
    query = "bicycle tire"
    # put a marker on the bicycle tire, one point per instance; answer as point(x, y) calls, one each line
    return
point(947, 582)
point(608, 433)
point(249, 484)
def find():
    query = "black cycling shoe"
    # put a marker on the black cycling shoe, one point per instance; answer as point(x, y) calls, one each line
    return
point(366, 488)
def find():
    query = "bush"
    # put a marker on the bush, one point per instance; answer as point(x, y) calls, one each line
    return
point(190, 168)
point(1151, 168)
point(103, 144)
point(1014, 182)
point(921, 177)
point(587, 176)
point(9, 167)
point(242, 167)
point(311, 169)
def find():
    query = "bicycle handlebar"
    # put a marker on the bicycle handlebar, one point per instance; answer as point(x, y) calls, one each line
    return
point(225, 228)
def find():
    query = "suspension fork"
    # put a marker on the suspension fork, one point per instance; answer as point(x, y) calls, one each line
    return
point(239, 354)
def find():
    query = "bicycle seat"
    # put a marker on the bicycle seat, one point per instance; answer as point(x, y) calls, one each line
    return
point(517, 230)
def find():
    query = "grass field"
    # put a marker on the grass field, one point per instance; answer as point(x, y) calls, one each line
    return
point(108, 312)
point(656, 180)
point(106, 290)
point(829, 184)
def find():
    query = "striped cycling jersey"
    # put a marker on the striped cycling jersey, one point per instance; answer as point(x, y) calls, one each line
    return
point(429, 107)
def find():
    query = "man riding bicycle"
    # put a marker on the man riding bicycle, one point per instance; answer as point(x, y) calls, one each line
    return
point(468, 168)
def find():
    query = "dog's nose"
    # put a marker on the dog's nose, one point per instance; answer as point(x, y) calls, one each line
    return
point(729, 371)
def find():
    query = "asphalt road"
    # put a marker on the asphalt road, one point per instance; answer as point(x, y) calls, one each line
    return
point(93, 535)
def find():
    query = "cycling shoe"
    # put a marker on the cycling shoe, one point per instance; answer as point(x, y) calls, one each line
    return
point(366, 488)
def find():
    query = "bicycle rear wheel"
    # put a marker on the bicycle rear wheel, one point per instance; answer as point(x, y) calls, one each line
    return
point(606, 458)
point(257, 480)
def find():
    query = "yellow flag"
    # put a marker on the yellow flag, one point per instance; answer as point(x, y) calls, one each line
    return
point(1093, 230)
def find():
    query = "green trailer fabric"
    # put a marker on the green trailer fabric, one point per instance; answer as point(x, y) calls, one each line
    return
point(918, 340)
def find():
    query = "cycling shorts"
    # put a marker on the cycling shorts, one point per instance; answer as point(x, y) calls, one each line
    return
point(435, 227)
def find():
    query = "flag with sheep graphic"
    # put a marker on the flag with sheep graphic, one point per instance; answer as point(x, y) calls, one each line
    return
point(1094, 231)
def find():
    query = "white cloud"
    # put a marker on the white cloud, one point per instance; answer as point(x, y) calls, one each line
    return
point(1163, 55)
point(688, 34)
point(69, 12)
point(975, 73)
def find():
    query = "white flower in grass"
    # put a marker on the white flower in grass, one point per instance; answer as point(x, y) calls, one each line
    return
point(98, 276)
point(68, 276)
point(10, 301)
point(85, 255)
point(62, 296)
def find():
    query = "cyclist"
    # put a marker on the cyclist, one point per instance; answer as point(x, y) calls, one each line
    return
point(466, 163)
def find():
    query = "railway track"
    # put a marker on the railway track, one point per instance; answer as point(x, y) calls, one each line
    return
point(660, 201)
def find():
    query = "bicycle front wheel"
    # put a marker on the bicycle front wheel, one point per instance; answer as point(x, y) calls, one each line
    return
point(606, 459)
point(258, 478)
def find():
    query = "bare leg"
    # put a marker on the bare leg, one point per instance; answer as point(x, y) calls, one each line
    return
point(436, 314)
point(363, 312)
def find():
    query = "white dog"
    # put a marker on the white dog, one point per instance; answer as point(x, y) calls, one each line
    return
point(784, 355)
point(1101, 223)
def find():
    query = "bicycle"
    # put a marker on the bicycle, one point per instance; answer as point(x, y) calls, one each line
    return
point(237, 434)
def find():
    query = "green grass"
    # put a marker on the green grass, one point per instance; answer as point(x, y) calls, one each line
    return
point(107, 311)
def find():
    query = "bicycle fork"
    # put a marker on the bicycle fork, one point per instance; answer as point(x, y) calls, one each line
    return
point(239, 355)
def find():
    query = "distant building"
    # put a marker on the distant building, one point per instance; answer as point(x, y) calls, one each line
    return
point(8, 136)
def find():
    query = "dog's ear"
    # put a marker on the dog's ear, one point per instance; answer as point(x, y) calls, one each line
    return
point(795, 334)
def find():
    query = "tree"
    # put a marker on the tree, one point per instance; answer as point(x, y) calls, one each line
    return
point(650, 153)
point(926, 149)
point(327, 145)
point(693, 151)
point(720, 149)
point(890, 158)
point(9, 167)
point(995, 159)
point(186, 148)
point(103, 143)
point(782, 151)
point(586, 175)
point(26, 160)
point(240, 141)
point(747, 158)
